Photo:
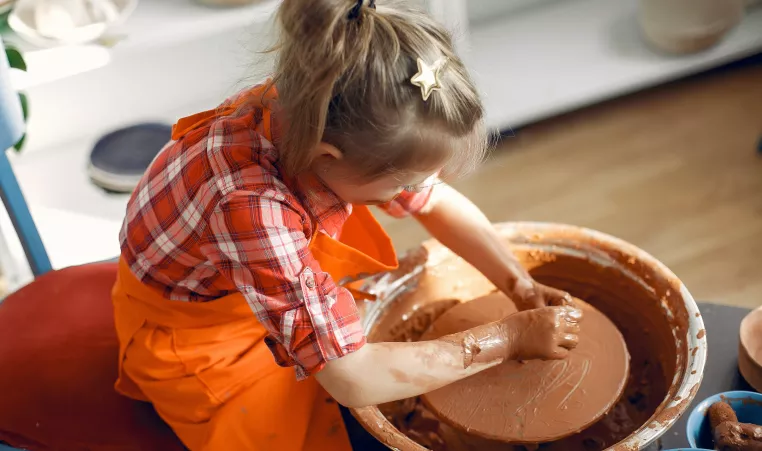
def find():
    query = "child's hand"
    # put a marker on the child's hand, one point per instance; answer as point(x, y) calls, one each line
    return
point(546, 333)
point(529, 294)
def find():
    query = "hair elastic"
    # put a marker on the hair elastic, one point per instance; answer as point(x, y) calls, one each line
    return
point(354, 13)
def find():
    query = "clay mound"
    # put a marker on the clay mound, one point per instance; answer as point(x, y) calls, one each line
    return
point(535, 401)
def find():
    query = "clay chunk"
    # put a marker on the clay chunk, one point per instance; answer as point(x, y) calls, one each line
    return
point(731, 435)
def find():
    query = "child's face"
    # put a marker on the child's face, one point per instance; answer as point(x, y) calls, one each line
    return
point(342, 180)
point(381, 190)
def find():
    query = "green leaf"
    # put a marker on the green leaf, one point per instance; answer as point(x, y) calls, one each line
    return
point(20, 144)
point(15, 58)
point(24, 105)
point(4, 28)
point(25, 109)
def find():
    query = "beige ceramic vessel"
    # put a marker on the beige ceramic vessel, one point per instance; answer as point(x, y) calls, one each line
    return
point(750, 349)
point(688, 26)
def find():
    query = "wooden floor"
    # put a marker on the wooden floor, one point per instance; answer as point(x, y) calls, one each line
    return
point(673, 170)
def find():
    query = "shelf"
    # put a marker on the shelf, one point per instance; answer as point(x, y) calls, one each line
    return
point(153, 24)
point(563, 55)
point(517, 58)
point(169, 22)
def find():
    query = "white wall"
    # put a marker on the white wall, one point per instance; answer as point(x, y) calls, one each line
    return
point(139, 85)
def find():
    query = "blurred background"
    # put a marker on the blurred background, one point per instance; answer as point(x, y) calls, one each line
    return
point(639, 118)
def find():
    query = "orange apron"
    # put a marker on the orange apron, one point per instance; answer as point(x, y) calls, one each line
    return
point(205, 366)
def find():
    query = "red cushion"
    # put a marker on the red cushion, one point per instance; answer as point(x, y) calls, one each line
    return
point(58, 364)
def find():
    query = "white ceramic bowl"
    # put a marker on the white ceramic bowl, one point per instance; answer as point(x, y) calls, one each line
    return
point(49, 23)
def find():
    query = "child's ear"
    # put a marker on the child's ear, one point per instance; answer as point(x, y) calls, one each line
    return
point(324, 150)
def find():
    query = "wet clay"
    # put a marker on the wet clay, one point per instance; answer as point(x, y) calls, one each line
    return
point(750, 349)
point(635, 302)
point(534, 401)
point(719, 413)
point(731, 435)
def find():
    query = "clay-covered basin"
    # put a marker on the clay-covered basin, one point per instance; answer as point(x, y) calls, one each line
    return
point(654, 311)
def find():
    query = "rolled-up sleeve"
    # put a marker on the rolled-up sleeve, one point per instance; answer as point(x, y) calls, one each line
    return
point(258, 241)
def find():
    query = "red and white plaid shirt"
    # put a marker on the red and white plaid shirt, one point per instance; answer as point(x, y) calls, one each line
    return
point(212, 216)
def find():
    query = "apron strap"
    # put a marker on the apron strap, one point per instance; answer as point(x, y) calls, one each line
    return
point(259, 97)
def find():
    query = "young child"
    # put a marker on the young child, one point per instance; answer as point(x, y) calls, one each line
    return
point(242, 241)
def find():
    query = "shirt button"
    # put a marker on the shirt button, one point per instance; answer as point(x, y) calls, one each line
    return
point(310, 282)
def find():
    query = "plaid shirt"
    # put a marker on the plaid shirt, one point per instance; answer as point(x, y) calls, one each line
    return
point(212, 216)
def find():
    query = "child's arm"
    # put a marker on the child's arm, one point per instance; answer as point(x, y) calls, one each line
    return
point(258, 241)
point(384, 372)
point(459, 224)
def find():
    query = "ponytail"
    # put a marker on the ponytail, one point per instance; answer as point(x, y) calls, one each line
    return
point(343, 74)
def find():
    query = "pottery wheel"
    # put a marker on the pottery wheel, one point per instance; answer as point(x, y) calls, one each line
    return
point(535, 401)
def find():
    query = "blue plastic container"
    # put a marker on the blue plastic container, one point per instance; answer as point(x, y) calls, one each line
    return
point(747, 405)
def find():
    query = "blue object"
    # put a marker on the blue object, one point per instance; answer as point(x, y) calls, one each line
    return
point(11, 130)
point(747, 405)
point(678, 449)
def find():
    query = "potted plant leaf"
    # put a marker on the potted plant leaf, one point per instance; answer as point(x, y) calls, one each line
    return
point(16, 61)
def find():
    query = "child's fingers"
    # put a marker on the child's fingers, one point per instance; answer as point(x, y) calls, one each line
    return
point(559, 353)
point(572, 315)
point(569, 341)
point(559, 299)
point(572, 327)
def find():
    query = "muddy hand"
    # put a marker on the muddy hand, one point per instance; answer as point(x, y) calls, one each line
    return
point(530, 294)
point(546, 333)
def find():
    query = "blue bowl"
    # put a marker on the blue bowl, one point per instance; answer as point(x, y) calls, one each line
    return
point(747, 405)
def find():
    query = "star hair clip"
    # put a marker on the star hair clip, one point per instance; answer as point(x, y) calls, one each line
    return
point(427, 77)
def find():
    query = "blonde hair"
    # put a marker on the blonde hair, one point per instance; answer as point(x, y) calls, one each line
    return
point(343, 71)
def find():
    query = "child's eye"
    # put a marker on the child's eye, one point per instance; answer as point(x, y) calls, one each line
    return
point(413, 188)
point(428, 183)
